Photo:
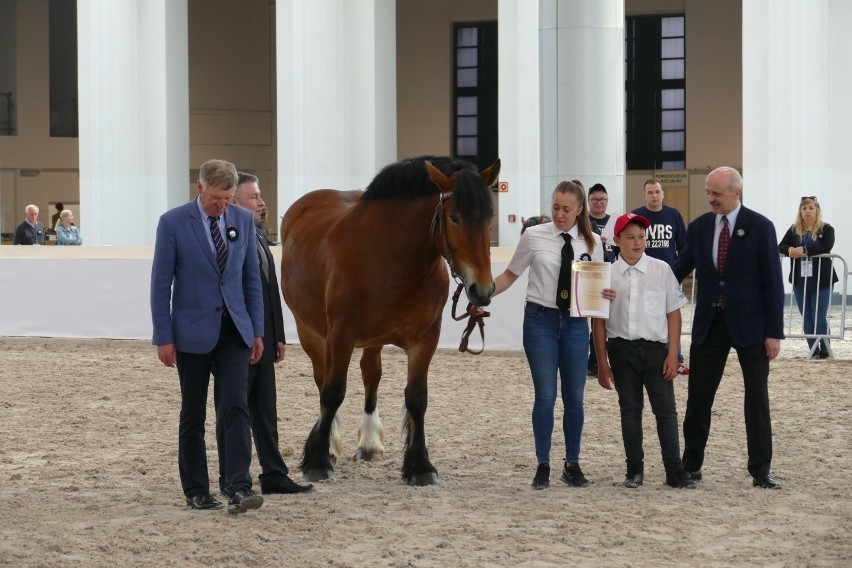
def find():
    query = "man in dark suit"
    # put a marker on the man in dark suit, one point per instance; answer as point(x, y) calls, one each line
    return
point(30, 231)
point(262, 394)
point(740, 304)
point(207, 312)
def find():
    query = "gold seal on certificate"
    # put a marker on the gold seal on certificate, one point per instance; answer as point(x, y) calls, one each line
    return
point(588, 281)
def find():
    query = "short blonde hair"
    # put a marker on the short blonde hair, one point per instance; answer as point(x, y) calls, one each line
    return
point(219, 174)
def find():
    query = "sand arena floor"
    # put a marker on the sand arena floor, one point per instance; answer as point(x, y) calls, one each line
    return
point(88, 473)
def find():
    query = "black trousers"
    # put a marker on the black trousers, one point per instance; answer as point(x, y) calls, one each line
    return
point(263, 411)
point(230, 358)
point(638, 364)
point(708, 365)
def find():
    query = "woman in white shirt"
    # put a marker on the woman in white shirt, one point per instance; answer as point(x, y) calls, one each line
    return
point(553, 340)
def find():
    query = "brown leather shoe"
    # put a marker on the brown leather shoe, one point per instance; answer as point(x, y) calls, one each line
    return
point(203, 501)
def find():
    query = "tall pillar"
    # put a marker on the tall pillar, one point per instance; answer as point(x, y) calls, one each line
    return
point(336, 94)
point(134, 116)
point(582, 95)
point(518, 115)
point(796, 109)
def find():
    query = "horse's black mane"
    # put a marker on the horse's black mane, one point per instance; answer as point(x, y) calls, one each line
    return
point(408, 178)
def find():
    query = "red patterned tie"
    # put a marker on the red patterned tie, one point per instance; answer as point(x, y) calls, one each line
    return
point(722, 253)
point(724, 239)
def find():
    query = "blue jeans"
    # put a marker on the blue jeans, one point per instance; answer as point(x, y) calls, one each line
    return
point(553, 342)
point(814, 301)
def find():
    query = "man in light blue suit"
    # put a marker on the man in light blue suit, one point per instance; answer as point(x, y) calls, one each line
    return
point(207, 310)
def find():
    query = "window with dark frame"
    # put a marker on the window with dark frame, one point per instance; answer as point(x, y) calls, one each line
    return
point(655, 92)
point(475, 92)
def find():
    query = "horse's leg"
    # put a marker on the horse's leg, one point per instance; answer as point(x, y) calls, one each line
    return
point(371, 435)
point(314, 346)
point(317, 462)
point(416, 467)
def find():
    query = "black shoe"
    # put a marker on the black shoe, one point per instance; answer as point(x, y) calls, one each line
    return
point(681, 480)
point(203, 501)
point(633, 480)
point(542, 476)
point(823, 355)
point(572, 475)
point(243, 500)
point(766, 481)
point(284, 485)
point(592, 371)
point(693, 475)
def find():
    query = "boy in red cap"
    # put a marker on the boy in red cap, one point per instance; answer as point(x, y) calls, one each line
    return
point(637, 346)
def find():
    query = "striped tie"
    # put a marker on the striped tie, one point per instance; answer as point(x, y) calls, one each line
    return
point(218, 243)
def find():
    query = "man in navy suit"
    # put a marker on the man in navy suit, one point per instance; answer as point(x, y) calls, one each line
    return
point(207, 311)
point(262, 395)
point(740, 304)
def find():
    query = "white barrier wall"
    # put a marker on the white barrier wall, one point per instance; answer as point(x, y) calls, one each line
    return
point(103, 292)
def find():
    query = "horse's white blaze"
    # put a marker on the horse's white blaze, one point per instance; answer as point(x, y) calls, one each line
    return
point(335, 444)
point(371, 435)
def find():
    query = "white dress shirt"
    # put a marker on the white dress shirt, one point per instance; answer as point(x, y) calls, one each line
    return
point(644, 294)
point(540, 250)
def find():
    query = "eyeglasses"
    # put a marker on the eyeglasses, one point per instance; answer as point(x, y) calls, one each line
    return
point(598, 200)
point(811, 197)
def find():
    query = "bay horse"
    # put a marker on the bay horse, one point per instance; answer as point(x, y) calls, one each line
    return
point(365, 269)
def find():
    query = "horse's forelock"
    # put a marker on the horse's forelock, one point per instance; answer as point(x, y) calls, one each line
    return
point(472, 198)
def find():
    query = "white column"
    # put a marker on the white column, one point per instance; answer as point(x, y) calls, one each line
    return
point(134, 116)
point(582, 95)
point(797, 112)
point(336, 89)
point(518, 115)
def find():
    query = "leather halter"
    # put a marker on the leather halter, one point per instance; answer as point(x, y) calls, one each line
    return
point(438, 219)
point(475, 319)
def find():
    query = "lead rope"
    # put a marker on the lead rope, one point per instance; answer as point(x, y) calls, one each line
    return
point(471, 323)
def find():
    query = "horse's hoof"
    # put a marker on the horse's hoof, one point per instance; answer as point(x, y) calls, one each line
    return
point(422, 479)
point(313, 475)
point(368, 455)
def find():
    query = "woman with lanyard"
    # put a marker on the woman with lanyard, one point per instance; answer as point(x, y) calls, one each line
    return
point(553, 340)
point(812, 278)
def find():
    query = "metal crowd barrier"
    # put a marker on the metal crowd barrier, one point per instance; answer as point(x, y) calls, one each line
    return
point(793, 322)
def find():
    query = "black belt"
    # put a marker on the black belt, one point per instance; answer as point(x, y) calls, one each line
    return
point(645, 343)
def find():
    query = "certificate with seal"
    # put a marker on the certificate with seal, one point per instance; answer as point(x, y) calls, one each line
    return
point(588, 280)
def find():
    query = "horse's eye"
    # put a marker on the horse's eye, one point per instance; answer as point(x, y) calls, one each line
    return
point(454, 219)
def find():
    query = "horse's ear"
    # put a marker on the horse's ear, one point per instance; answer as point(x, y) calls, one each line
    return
point(438, 178)
point(490, 174)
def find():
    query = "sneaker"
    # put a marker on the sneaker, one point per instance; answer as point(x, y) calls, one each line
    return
point(682, 368)
point(542, 476)
point(572, 475)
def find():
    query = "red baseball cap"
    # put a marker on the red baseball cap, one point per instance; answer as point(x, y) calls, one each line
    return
point(628, 218)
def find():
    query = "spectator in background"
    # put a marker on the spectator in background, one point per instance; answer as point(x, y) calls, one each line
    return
point(598, 219)
point(54, 219)
point(665, 237)
point(30, 231)
point(533, 221)
point(262, 224)
point(812, 278)
point(66, 232)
